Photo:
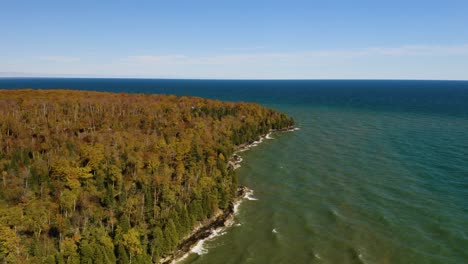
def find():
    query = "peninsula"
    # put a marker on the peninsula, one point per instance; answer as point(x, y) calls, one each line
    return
point(94, 177)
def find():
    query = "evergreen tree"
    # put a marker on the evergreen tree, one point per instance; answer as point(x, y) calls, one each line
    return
point(96, 177)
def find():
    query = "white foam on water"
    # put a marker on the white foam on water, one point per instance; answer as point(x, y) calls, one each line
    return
point(199, 249)
point(361, 256)
point(249, 196)
point(235, 208)
point(255, 143)
point(336, 213)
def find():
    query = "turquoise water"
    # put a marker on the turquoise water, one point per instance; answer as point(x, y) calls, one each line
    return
point(354, 187)
point(378, 172)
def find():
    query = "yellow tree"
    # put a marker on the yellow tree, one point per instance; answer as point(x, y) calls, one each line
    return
point(9, 245)
point(131, 241)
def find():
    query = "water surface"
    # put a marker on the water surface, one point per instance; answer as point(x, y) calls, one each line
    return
point(378, 172)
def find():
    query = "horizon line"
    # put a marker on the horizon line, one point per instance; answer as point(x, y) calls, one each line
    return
point(227, 79)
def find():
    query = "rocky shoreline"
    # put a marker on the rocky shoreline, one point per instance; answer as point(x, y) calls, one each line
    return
point(221, 219)
point(206, 229)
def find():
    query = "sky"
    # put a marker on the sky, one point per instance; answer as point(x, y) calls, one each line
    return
point(236, 39)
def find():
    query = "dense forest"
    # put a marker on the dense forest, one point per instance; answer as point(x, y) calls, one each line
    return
point(91, 177)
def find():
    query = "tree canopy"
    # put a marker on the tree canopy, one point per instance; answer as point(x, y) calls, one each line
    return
point(92, 177)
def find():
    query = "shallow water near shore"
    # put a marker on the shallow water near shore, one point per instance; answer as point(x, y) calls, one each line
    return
point(378, 172)
point(373, 193)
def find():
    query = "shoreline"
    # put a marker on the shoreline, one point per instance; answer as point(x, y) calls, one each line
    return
point(211, 227)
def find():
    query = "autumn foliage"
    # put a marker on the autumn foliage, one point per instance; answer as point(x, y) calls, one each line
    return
point(91, 177)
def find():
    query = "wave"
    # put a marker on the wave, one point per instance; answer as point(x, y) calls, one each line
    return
point(249, 196)
point(335, 212)
point(235, 208)
point(361, 256)
point(357, 255)
point(200, 249)
point(260, 140)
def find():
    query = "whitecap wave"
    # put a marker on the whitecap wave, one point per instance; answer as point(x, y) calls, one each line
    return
point(360, 253)
point(199, 249)
point(249, 196)
point(336, 213)
point(235, 208)
point(255, 143)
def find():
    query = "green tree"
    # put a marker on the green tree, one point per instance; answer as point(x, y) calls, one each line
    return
point(69, 250)
point(106, 177)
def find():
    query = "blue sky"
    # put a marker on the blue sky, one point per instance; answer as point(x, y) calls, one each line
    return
point(235, 39)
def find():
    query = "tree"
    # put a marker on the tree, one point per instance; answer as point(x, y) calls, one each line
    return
point(157, 244)
point(131, 241)
point(68, 249)
point(106, 177)
point(9, 245)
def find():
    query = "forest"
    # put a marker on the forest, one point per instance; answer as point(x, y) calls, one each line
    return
point(93, 177)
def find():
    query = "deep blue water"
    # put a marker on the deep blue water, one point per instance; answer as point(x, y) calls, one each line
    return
point(439, 97)
point(378, 172)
